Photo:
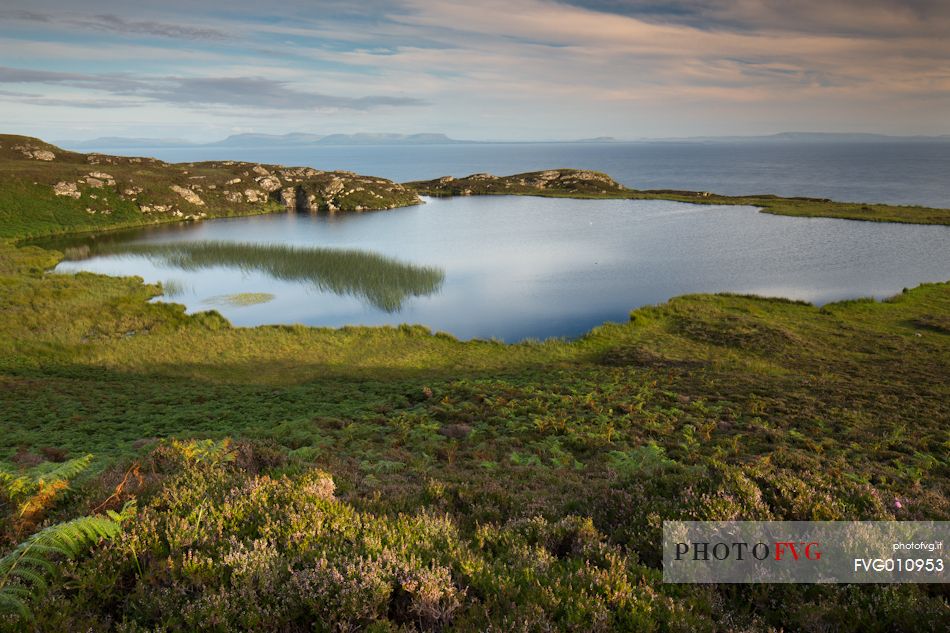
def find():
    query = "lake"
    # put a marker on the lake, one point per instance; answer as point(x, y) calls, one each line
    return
point(895, 172)
point(509, 267)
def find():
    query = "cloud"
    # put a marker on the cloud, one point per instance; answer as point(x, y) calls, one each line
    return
point(617, 51)
point(494, 67)
point(109, 83)
point(853, 17)
point(39, 100)
point(28, 16)
point(114, 24)
point(259, 92)
point(248, 92)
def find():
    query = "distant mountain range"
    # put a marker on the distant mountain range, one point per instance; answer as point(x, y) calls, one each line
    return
point(299, 139)
point(266, 140)
point(296, 139)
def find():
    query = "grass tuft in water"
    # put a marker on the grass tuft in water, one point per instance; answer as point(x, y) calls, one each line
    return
point(173, 288)
point(240, 299)
point(386, 283)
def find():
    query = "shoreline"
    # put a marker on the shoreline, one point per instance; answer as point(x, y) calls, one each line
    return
point(38, 242)
point(798, 206)
point(369, 440)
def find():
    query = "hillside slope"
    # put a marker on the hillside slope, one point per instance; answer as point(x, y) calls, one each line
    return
point(389, 479)
point(44, 190)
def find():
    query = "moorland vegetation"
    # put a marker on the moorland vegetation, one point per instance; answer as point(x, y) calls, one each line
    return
point(161, 471)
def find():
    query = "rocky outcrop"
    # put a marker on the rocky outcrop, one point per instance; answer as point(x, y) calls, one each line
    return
point(103, 176)
point(92, 180)
point(299, 173)
point(298, 199)
point(67, 189)
point(288, 197)
point(577, 182)
point(35, 152)
point(154, 208)
point(188, 195)
point(268, 183)
point(332, 189)
point(340, 191)
point(119, 185)
point(253, 195)
point(307, 201)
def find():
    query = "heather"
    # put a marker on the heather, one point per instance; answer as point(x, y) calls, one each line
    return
point(241, 536)
point(161, 471)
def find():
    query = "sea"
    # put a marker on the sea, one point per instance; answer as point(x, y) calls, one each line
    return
point(894, 172)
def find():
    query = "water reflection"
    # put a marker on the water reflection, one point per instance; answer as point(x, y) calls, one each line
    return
point(384, 282)
point(514, 267)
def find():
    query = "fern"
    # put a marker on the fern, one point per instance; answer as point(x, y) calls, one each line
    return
point(66, 471)
point(33, 492)
point(205, 451)
point(646, 460)
point(24, 571)
point(14, 486)
point(19, 486)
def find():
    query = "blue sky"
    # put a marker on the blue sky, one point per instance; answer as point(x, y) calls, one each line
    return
point(486, 69)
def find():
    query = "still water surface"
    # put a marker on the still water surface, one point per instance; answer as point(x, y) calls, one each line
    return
point(511, 267)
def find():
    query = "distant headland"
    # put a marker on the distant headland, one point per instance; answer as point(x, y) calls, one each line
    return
point(306, 139)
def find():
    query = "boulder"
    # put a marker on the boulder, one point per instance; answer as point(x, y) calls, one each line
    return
point(67, 189)
point(268, 183)
point(288, 198)
point(188, 195)
point(253, 195)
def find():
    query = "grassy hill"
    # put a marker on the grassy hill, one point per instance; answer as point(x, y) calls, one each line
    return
point(49, 190)
point(387, 479)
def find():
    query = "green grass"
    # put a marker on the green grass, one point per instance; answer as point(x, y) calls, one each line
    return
point(239, 299)
point(390, 477)
point(140, 191)
point(803, 207)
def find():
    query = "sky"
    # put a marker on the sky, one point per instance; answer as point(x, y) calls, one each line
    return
point(473, 69)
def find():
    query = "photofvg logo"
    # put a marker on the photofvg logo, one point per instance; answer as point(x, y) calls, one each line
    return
point(805, 551)
point(741, 550)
